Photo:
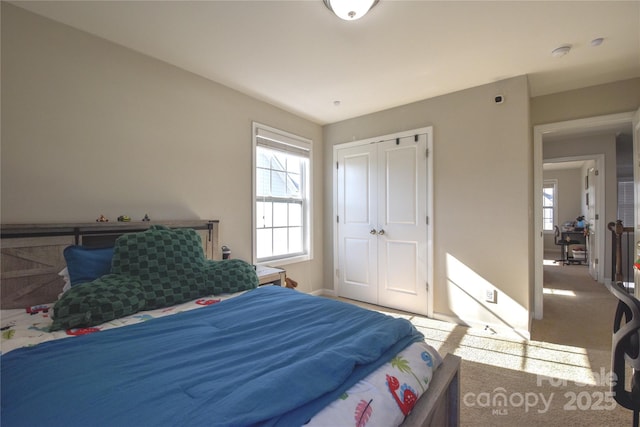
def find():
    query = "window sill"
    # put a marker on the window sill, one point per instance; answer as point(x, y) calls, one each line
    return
point(285, 261)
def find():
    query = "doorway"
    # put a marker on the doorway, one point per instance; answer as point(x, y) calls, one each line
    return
point(579, 182)
point(542, 132)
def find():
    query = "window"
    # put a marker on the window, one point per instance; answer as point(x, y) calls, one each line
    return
point(625, 202)
point(282, 202)
point(549, 204)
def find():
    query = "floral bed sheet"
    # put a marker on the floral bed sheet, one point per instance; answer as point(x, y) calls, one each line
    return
point(30, 326)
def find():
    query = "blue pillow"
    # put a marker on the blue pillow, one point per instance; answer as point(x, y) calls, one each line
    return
point(87, 264)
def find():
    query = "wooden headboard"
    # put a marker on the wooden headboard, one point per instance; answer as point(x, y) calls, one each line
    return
point(31, 254)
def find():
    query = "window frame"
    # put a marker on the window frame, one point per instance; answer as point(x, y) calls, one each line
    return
point(554, 209)
point(625, 208)
point(272, 138)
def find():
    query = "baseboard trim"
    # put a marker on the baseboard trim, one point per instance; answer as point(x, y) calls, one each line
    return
point(324, 292)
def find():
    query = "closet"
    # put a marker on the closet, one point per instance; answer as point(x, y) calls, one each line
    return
point(382, 221)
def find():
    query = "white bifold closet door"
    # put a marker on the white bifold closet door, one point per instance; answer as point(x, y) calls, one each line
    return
point(382, 223)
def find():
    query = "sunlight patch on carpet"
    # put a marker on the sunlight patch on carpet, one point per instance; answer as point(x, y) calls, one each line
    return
point(551, 360)
point(561, 292)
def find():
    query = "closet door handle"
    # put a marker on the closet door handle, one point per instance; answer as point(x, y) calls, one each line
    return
point(373, 231)
point(381, 232)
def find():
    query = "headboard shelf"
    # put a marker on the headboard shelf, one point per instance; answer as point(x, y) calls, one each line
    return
point(32, 254)
point(83, 228)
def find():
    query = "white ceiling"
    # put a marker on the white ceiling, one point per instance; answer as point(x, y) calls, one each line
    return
point(299, 56)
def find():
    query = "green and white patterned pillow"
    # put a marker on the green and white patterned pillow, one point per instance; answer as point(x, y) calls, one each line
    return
point(229, 276)
point(106, 298)
point(168, 263)
point(156, 268)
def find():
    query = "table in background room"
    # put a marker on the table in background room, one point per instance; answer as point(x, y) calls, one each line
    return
point(579, 237)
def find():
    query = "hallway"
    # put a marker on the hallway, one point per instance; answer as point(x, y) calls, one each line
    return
point(578, 311)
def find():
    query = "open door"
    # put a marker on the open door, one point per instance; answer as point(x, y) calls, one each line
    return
point(592, 217)
point(540, 132)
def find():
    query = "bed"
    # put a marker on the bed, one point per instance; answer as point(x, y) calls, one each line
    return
point(264, 356)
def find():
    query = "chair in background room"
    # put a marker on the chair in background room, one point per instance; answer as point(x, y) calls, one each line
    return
point(564, 245)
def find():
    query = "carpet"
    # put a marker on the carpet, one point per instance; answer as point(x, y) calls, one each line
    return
point(560, 377)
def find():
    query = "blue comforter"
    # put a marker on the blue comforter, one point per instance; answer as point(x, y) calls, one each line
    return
point(272, 356)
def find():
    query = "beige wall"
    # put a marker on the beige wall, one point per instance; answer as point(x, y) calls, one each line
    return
point(482, 184)
point(611, 98)
point(90, 128)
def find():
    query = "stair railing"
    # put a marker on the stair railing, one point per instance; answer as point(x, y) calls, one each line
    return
point(622, 253)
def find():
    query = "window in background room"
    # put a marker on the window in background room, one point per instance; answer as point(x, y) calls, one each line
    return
point(549, 204)
point(625, 202)
point(282, 202)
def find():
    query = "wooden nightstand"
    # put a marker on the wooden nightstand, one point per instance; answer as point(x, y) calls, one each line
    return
point(271, 275)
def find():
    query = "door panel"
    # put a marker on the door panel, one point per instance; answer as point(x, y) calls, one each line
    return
point(357, 189)
point(357, 210)
point(357, 273)
point(592, 241)
point(400, 184)
point(402, 264)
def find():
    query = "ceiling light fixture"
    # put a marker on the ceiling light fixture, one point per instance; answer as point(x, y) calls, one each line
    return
point(350, 10)
point(561, 51)
point(597, 42)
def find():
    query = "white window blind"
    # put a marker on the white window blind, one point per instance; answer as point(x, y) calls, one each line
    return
point(625, 203)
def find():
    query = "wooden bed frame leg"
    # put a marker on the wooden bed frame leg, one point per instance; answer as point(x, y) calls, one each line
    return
point(440, 405)
point(454, 400)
